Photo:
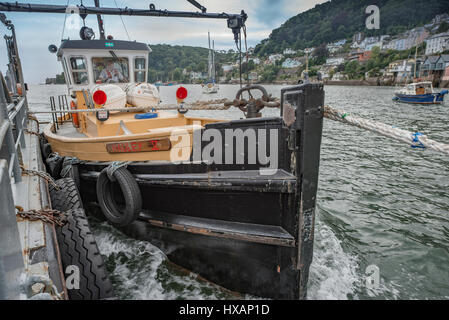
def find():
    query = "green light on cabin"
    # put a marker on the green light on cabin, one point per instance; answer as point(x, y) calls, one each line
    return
point(109, 44)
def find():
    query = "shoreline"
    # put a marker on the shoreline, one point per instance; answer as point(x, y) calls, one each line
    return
point(363, 83)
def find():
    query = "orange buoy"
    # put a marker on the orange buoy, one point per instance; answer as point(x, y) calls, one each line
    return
point(75, 120)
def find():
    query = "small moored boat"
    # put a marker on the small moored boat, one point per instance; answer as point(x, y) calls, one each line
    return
point(211, 86)
point(421, 93)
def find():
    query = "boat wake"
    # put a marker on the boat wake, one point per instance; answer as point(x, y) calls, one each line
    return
point(140, 271)
point(333, 273)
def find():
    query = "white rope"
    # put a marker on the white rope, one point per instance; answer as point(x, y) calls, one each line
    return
point(65, 20)
point(416, 140)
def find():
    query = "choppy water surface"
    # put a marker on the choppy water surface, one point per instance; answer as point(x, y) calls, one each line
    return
point(380, 203)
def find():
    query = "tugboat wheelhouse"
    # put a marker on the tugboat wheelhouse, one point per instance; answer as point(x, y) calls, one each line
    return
point(84, 61)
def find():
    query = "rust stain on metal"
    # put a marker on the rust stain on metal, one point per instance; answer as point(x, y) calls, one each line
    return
point(289, 116)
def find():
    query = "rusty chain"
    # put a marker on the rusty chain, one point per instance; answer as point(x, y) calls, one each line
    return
point(42, 174)
point(31, 117)
point(32, 132)
point(45, 215)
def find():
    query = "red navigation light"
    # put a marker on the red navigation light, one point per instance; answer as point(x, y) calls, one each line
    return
point(181, 93)
point(100, 97)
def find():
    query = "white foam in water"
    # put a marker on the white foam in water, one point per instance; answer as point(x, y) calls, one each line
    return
point(140, 271)
point(138, 285)
point(333, 273)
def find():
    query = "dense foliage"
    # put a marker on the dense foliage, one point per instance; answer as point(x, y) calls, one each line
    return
point(167, 62)
point(341, 19)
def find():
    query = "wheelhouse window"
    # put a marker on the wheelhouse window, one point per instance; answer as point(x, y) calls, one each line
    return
point(110, 70)
point(140, 70)
point(79, 70)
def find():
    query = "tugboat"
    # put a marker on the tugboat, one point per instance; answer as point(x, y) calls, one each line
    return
point(233, 201)
point(421, 93)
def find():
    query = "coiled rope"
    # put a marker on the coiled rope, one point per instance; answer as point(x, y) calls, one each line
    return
point(415, 139)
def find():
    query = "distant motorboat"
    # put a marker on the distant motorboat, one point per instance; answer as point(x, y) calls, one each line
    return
point(420, 93)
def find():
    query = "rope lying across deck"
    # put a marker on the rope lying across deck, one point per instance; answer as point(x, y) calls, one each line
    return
point(417, 140)
point(219, 104)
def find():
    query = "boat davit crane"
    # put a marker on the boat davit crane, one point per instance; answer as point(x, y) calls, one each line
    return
point(235, 21)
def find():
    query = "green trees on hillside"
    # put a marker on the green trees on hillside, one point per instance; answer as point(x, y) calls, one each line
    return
point(340, 19)
point(270, 73)
point(168, 62)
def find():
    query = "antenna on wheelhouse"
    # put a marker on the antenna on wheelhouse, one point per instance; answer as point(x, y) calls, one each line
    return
point(100, 21)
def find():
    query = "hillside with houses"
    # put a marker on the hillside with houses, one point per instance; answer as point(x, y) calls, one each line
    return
point(360, 59)
point(375, 60)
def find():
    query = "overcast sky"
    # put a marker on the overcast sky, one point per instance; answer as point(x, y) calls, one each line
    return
point(36, 32)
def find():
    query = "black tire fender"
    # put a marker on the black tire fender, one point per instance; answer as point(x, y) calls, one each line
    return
point(79, 249)
point(124, 214)
point(54, 165)
point(71, 172)
point(77, 244)
point(67, 197)
point(45, 146)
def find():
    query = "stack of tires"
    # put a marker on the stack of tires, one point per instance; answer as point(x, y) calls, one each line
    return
point(77, 245)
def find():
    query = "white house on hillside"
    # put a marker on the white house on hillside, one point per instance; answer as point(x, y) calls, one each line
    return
point(227, 67)
point(290, 63)
point(437, 43)
point(289, 51)
point(339, 42)
point(255, 60)
point(335, 61)
point(370, 46)
point(274, 57)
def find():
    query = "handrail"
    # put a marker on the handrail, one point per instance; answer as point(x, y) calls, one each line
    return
point(13, 122)
point(12, 114)
point(17, 108)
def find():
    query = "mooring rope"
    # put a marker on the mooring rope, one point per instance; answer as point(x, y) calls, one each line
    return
point(415, 139)
point(114, 166)
point(67, 165)
point(219, 104)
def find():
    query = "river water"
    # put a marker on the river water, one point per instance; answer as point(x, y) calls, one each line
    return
point(380, 203)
